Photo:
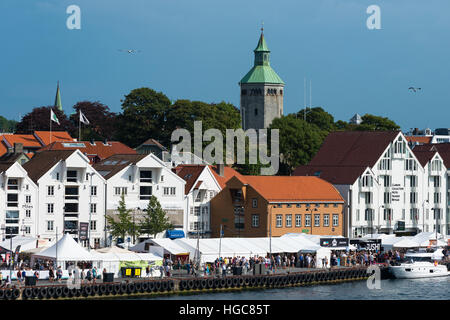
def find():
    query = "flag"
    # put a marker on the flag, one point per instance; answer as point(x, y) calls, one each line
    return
point(83, 118)
point(53, 117)
point(58, 103)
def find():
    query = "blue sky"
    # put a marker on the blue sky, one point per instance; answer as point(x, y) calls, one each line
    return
point(200, 49)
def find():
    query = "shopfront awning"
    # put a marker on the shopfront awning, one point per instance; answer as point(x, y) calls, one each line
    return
point(175, 234)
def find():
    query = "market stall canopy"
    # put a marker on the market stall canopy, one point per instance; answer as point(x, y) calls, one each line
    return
point(169, 245)
point(25, 243)
point(424, 239)
point(406, 243)
point(119, 254)
point(68, 250)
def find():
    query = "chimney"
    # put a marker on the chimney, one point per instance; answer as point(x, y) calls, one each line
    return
point(92, 142)
point(220, 168)
point(18, 148)
point(105, 142)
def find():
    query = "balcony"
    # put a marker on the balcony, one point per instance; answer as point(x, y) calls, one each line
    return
point(71, 193)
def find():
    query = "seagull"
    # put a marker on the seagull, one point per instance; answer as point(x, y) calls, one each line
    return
point(414, 89)
point(129, 51)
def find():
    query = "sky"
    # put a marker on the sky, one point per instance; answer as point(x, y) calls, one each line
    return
point(200, 49)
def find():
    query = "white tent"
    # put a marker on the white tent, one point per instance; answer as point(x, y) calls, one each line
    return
point(406, 243)
point(25, 243)
point(424, 239)
point(169, 246)
point(66, 249)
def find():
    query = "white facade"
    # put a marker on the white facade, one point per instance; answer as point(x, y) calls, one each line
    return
point(70, 193)
point(398, 190)
point(138, 181)
point(18, 199)
point(198, 221)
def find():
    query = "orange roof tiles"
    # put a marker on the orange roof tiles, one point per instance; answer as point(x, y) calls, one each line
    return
point(44, 136)
point(293, 188)
point(228, 173)
point(28, 140)
point(418, 139)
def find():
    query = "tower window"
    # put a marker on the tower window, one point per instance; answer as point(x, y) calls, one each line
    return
point(281, 92)
point(256, 112)
point(244, 92)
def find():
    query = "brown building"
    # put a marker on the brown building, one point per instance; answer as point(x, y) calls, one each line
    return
point(255, 206)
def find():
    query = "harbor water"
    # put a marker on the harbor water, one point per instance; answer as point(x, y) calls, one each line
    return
point(392, 289)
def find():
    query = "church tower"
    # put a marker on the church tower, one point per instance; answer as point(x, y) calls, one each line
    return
point(261, 91)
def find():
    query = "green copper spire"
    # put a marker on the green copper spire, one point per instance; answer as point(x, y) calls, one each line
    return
point(58, 103)
point(261, 71)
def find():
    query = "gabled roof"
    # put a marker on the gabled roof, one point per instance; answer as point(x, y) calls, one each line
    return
point(110, 166)
point(424, 156)
point(345, 155)
point(333, 174)
point(442, 148)
point(418, 139)
point(153, 142)
point(99, 148)
point(228, 173)
point(189, 173)
point(44, 161)
point(44, 136)
point(28, 140)
point(293, 188)
point(12, 157)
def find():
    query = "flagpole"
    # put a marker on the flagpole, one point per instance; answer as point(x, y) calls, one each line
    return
point(50, 125)
point(79, 126)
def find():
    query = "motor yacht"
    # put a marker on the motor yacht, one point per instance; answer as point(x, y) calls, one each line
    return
point(420, 265)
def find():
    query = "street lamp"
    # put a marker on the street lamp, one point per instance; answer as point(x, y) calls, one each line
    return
point(379, 214)
point(423, 213)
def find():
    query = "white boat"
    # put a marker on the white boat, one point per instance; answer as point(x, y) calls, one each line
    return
point(420, 265)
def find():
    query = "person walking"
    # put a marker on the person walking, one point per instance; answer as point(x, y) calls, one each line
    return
point(51, 274)
point(59, 274)
point(94, 275)
point(147, 271)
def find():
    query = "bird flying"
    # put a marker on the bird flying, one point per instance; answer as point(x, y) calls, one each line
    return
point(130, 51)
point(414, 89)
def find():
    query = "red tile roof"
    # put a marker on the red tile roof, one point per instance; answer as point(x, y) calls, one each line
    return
point(418, 139)
point(293, 188)
point(189, 173)
point(97, 149)
point(28, 140)
point(44, 136)
point(228, 173)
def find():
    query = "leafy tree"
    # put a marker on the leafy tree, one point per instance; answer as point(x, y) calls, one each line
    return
point(155, 219)
point(39, 120)
point(7, 125)
point(143, 116)
point(319, 117)
point(299, 141)
point(102, 122)
point(377, 123)
point(123, 225)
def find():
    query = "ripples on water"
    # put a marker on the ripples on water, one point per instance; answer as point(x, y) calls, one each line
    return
point(399, 289)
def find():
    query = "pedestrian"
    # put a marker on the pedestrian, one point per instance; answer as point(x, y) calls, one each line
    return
point(19, 276)
point(82, 275)
point(36, 275)
point(51, 274)
point(147, 271)
point(59, 274)
point(89, 275)
point(161, 271)
point(24, 274)
point(94, 274)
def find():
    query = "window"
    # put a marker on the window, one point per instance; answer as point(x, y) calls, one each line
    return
point(28, 213)
point(93, 208)
point(71, 176)
point(87, 176)
point(326, 220)
point(413, 197)
point(93, 225)
point(145, 176)
point(12, 216)
point(414, 214)
point(387, 214)
point(410, 164)
point(307, 220)
point(27, 230)
point(93, 190)
point(368, 216)
point(28, 199)
point(413, 181)
point(436, 165)
point(204, 210)
point(197, 211)
point(436, 181)
point(289, 220)
point(71, 208)
point(162, 178)
point(317, 220)
point(298, 220)
point(367, 181)
point(12, 200)
point(385, 164)
point(145, 193)
point(436, 214)
point(57, 176)
point(387, 197)
point(13, 184)
point(279, 220)
point(400, 146)
point(254, 203)
point(256, 112)
point(50, 190)
point(368, 197)
point(120, 190)
point(50, 208)
point(50, 225)
point(170, 191)
point(386, 181)
point(298, 205)
point(255, 220)
point(437, 197)
point(71, 193)
point(335, 220)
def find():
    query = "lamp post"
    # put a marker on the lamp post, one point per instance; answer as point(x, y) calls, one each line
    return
point(379, 214)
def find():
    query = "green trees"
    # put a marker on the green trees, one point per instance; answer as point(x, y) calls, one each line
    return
point(7, 125)
point(39, 119)
point(299, 141)
point(123, 225)
point(154, 220)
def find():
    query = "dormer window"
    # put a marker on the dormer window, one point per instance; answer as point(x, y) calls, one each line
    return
point(71, 176)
